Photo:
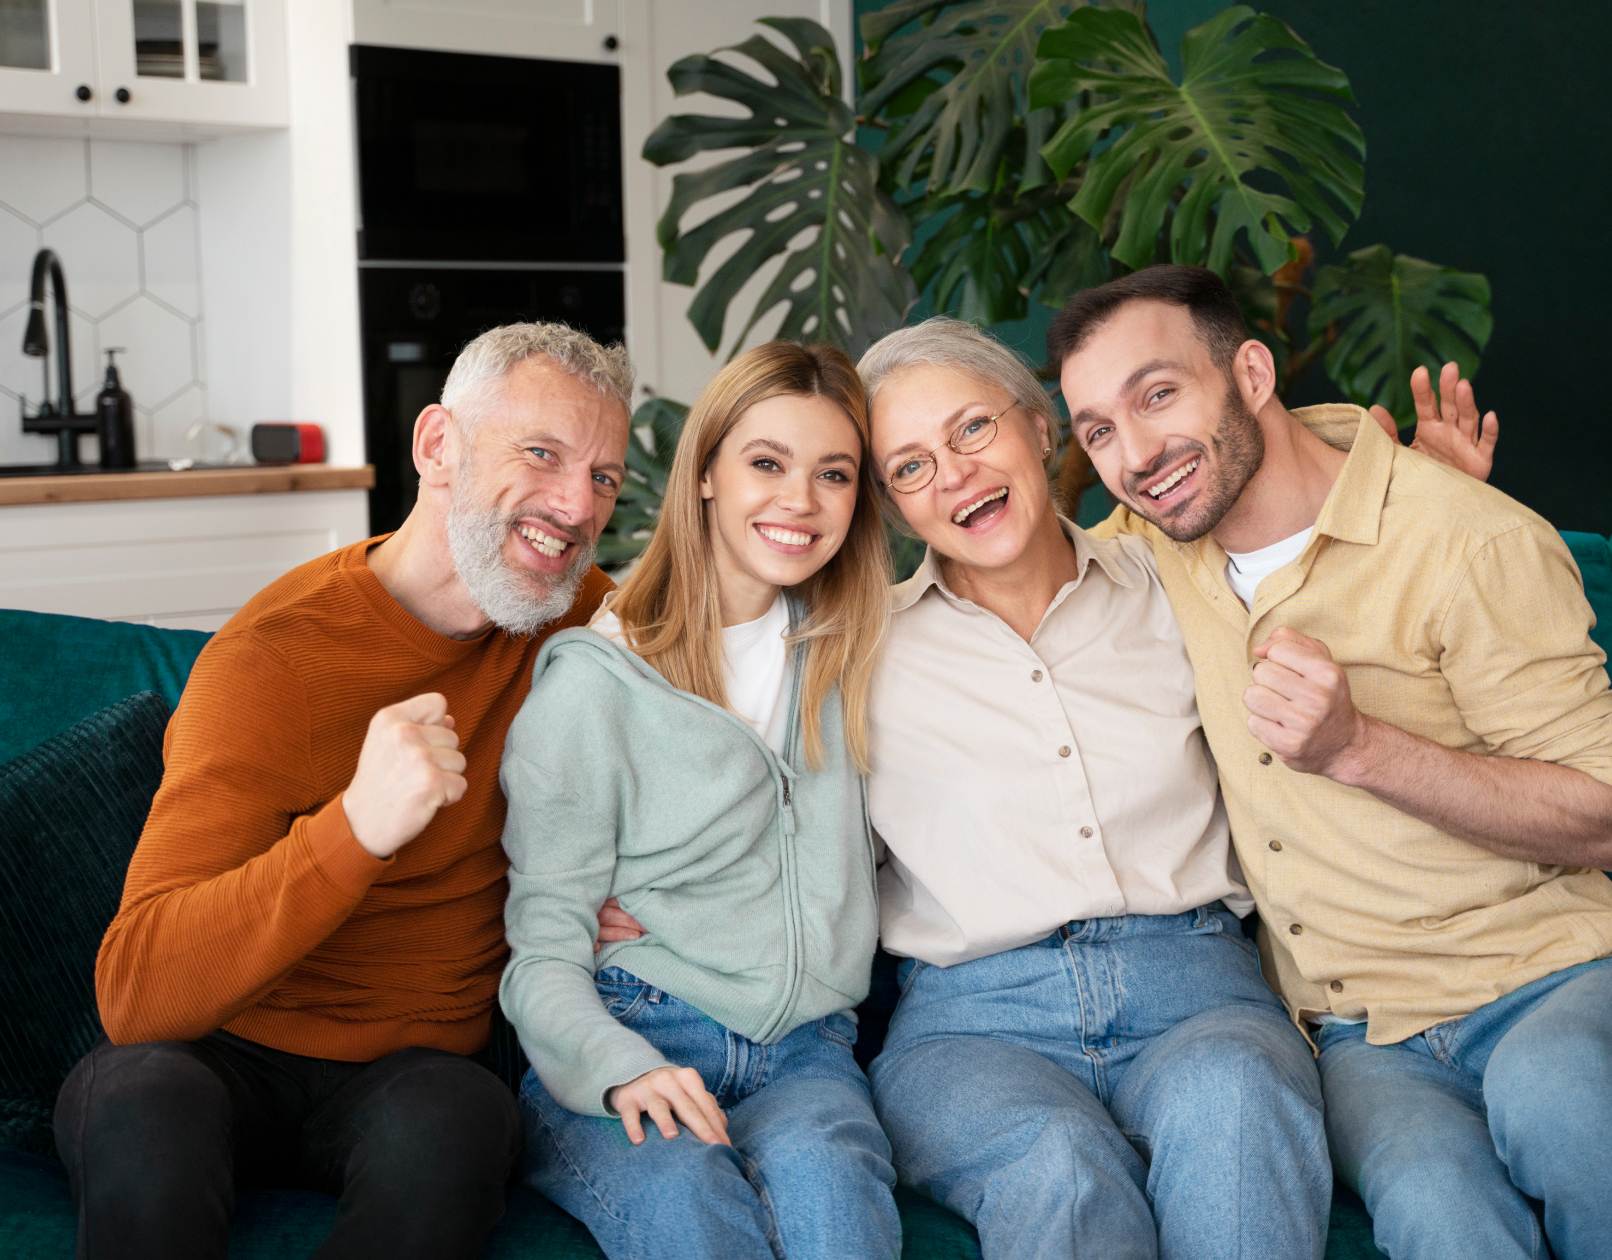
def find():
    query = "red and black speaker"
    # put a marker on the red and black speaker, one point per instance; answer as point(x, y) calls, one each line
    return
point(276, 443)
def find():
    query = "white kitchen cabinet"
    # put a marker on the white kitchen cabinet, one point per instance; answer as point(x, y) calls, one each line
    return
point(171, 562)
point(47, 57)
point(564, 30)
point(142, 67)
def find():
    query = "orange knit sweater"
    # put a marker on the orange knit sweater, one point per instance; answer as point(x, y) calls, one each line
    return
point(249, 905)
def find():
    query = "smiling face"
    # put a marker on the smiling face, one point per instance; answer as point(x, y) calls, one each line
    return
point(538, 470)
point(1166, 428)
point(983, 509)
point(779, 492)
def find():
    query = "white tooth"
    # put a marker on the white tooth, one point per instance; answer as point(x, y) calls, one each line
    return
point(1173, 479)
point(968, 510)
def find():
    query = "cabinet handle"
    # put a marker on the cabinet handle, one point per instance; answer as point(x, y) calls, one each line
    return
point(611, 43)
point(122, 95)
point(82, 91)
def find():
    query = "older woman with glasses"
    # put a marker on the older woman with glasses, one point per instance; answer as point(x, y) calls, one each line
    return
point(1085, 1059)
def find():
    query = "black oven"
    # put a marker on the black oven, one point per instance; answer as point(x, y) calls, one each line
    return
point(487, 158)
point(489, 192)
point(417, 319)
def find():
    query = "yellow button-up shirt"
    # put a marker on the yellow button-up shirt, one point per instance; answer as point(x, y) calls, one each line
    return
point(1459, 616)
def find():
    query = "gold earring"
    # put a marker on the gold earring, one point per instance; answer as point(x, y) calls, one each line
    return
point(1045, 451)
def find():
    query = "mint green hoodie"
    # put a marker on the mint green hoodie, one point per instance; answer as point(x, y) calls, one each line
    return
point(753, 877)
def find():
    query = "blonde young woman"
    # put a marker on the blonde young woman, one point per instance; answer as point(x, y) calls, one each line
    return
point(696, 754)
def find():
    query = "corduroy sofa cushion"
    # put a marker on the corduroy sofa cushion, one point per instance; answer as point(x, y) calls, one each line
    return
point(70, 813)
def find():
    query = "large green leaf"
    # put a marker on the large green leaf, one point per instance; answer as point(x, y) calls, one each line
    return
point(1067, 256)
point(1254, 141)
point(813, 205)
point(970, 265)
point(650, 444)
point(976, 55)
point(1392, 313)
point(981, 258)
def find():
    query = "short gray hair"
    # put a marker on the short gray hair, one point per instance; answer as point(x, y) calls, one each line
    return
point(941, 341)
point(483, 364)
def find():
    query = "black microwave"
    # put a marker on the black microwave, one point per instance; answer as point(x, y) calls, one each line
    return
point(496, 159)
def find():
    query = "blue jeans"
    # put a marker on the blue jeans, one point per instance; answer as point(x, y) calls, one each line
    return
point(1447, 1136)
point(808, 1174)
point(1127, 1087)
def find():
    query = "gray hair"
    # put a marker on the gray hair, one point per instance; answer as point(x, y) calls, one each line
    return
point(941, 341)
point(482, 365)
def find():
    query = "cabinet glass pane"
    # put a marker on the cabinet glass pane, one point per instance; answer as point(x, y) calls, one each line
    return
point(159, 42)
point(221, 39)
point(25, 34)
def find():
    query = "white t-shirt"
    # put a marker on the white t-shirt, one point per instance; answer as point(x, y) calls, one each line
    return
point(1246, 569)
point(755, 668)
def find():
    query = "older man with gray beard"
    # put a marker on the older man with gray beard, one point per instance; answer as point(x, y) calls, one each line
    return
point(311, 933)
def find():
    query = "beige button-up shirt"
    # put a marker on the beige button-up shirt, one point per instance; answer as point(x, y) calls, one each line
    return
point(1459, 616)
point(1018, 785)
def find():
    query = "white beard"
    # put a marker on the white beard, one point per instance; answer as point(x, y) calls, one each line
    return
point(519, 602)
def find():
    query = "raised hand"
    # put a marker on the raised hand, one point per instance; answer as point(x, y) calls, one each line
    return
point(666, 1093)
point(409, 767)
point(1447, 425)
point(1299, 704)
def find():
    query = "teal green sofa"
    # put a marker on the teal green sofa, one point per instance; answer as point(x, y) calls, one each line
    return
point(57, 674)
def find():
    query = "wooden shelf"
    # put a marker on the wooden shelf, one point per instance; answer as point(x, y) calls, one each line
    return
point(194, 483)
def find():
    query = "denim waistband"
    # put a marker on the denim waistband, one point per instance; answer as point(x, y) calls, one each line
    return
point(1214, 916)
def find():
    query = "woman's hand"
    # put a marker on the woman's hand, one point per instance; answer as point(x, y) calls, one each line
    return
point(615, 924)
point(1447, 426)
point(668, 1092)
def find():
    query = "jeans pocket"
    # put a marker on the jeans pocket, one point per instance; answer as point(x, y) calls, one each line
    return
point(621, 992)
point(840, 1028)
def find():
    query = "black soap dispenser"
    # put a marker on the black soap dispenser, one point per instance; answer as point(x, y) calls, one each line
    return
point(114, 418)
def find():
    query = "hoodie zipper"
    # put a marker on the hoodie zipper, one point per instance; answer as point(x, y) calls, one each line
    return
point(789, 865)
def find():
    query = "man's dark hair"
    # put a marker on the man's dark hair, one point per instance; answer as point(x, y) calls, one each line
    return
point(1215, 316)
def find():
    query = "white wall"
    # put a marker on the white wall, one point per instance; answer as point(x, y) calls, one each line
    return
point(124, 218)
point(280, 245)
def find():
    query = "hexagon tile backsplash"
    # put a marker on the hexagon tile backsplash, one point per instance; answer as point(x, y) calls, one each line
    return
point(122, 218)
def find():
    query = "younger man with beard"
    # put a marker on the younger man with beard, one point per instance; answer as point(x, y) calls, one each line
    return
point(311, 933)
point(1414, 737)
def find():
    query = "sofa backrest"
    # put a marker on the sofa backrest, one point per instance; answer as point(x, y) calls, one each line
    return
point(56, 670)
point(1594, 556)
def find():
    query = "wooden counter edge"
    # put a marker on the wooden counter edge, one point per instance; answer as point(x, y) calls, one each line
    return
point(194, 483)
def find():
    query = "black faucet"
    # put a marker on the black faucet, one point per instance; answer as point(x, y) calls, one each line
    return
point(58, 418)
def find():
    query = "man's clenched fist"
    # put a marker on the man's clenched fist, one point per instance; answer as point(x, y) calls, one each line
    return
point(1299, 705)
point(410, 767)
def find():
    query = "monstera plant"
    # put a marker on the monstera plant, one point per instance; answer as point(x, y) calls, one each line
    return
point(1005, 153)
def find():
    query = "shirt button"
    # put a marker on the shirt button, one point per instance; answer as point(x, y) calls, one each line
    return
point(1064, 751)
point(1336, 986)
point(1276, 846)
point(1296, 928)
point(1264, 759)
point(1035, 675)
point(1085, 833)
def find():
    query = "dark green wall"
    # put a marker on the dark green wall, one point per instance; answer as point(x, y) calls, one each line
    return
point(1489, 144)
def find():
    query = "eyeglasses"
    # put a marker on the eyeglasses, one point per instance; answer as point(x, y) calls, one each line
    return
point(914, 472)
